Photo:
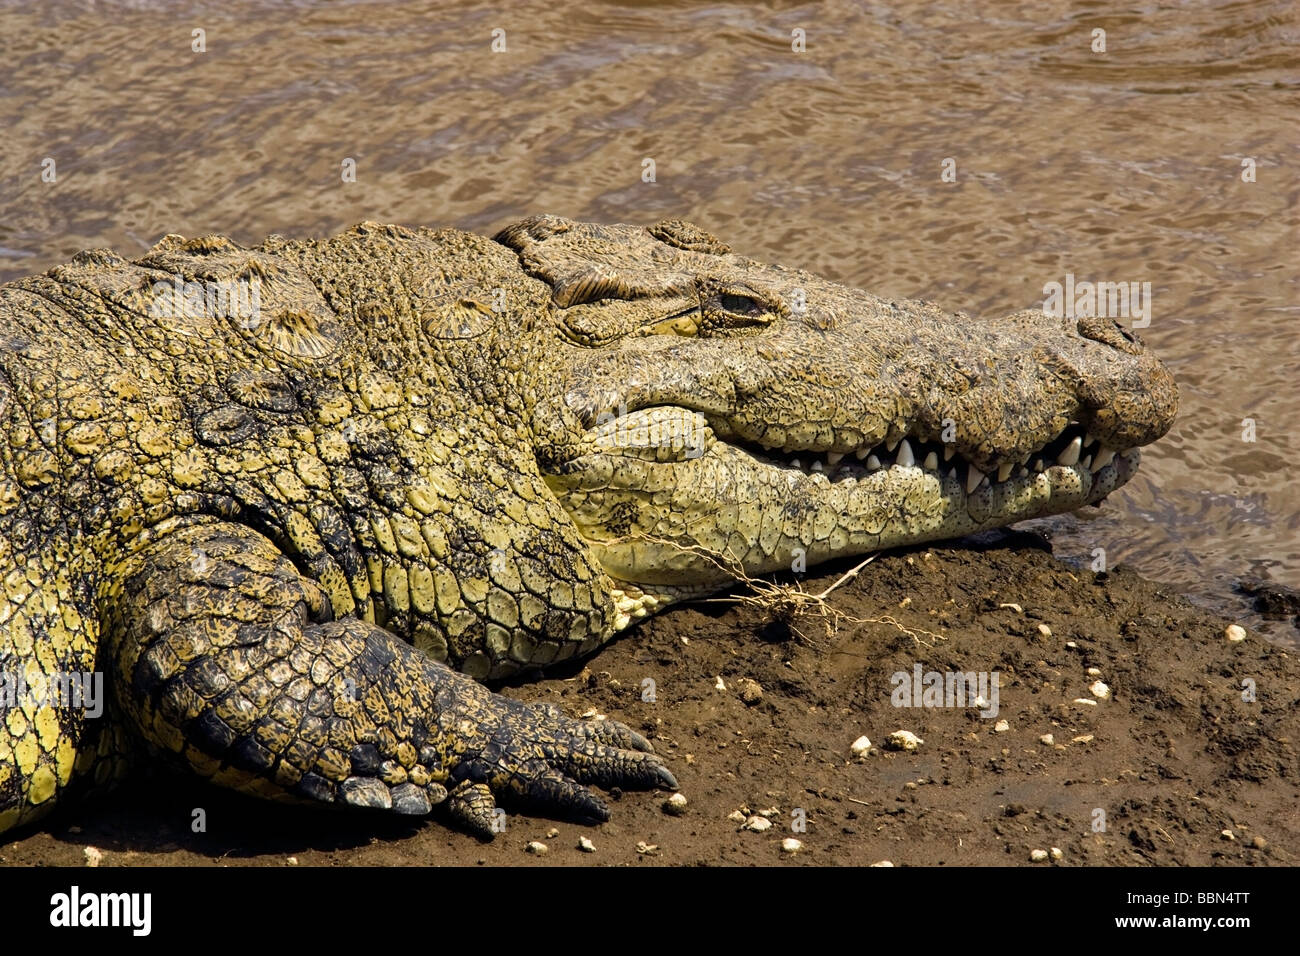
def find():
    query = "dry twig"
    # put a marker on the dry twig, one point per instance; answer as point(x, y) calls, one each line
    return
point(789, 604)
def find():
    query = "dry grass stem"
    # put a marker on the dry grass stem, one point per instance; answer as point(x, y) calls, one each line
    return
point(789, 604)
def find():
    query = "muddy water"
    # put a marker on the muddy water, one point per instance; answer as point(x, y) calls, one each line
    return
point(1118, 166)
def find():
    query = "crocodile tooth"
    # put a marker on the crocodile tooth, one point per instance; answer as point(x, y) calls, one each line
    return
point(817, 465)
point(948, 452)
point(1087, 463)
point(1070, 457)
point(1103, 458)
point(862, 453)
point(873, 462)
point(1004, 471)
point(1088, 439)
point(1023, 472)
point(905, 458)
point(833, 458)
point(890, 446)
point(796, 463)
point(973, 478)
point(1038, 464)
point(932, 462)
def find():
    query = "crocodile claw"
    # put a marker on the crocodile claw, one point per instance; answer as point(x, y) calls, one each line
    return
point(470, 805)
point(537, 760)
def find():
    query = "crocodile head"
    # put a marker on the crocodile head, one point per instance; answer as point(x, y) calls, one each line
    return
point(698, 410)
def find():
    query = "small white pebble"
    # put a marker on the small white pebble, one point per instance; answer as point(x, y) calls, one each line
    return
point(720, 685)
point(1001, 727)
point(860, 746)
point(585, 845)
point(1235, 633)
point(758, 824)
point(1044, 630)
point(737, 817)
point(675, 805)
point(552, 833)
point(882, 863)
point(1082, 739)
point(769, 813)
point(979, 703)
point(537, 848)
point(1100, 691)
point(646, 848)
point(1071, 645)
point(1047, 740)
point(1085, 702)
point(1228, 835)
point(1038, 856)
point(1057, 853)
point(686, 640)
point(1094, 671)
point(93, 856)
point(791, 845)
point(292, 861)
point(1015, 607)
point(904, 740)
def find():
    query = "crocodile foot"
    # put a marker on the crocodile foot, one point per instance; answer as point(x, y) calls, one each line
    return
point(235, 666)
point(534, 758)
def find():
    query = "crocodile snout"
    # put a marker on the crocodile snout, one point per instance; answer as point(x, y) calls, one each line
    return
point(1124, 392)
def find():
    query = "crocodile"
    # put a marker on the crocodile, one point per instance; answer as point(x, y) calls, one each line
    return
point(273, 514)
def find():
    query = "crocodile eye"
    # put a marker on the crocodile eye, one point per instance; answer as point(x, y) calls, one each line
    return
point(732, 307)
point(740, 304)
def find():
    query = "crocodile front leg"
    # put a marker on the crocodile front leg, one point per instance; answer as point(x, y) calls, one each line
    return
point(224, 654)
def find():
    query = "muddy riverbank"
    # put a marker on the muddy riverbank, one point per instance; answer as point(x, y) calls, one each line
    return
point(1159, 772)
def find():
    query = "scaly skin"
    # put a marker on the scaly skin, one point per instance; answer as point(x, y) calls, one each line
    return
point(292, 537)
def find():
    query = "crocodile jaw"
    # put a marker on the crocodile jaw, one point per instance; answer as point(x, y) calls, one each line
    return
point(665, 504)
point(687, 396)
